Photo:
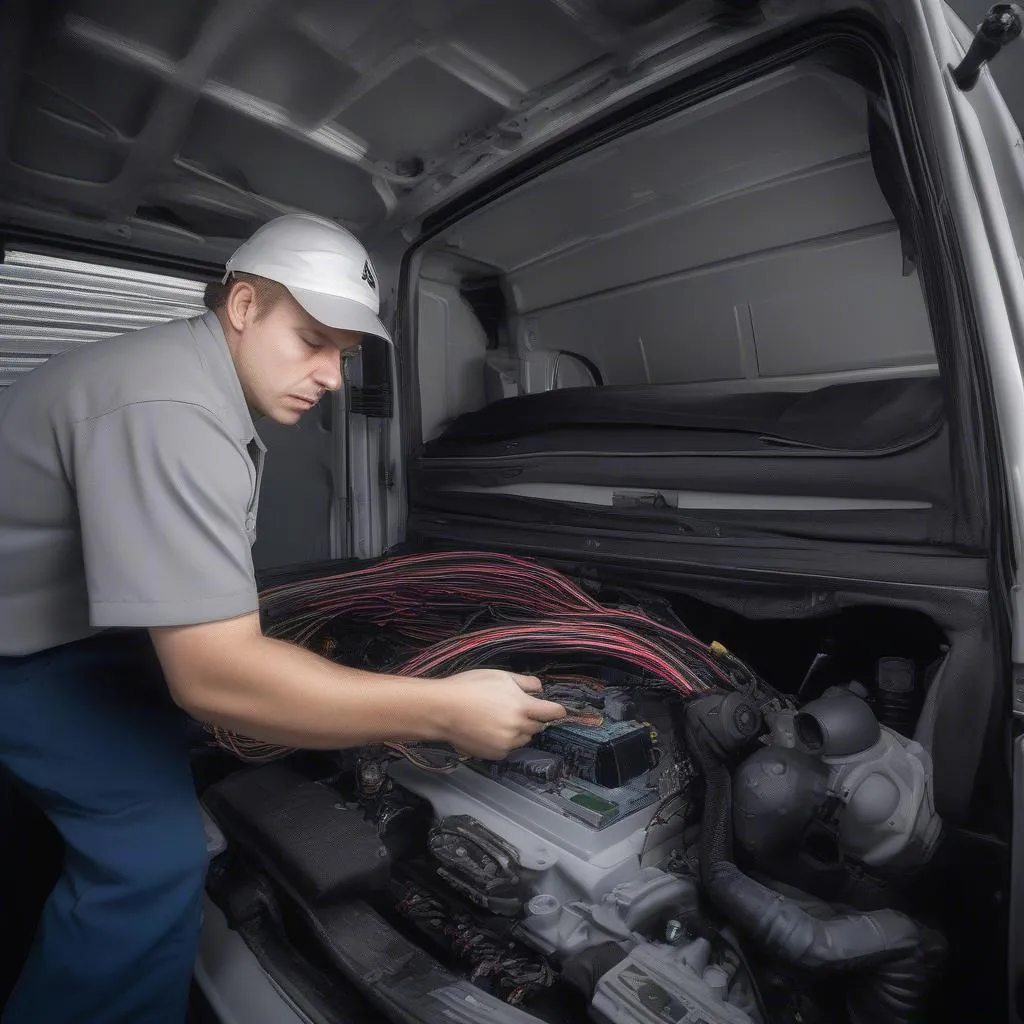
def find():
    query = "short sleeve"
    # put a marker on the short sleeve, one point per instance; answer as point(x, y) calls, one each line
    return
point(163, 492)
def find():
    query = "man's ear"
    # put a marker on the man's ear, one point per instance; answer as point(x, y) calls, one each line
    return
point(240, 304)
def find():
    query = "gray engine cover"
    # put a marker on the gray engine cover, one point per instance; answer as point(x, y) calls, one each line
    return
point(588, 883)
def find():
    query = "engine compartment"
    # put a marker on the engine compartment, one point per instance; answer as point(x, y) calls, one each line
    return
point(727, 850)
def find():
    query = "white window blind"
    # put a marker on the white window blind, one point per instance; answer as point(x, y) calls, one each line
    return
point(49, 304)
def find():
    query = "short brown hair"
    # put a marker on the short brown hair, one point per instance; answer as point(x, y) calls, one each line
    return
point(268, 293)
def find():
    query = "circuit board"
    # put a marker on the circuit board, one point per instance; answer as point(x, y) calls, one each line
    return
point(595, 774)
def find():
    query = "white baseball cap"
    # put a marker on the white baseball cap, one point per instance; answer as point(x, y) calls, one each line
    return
point(326, 269)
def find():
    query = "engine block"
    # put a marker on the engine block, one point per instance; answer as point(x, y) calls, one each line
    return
point(571, 857)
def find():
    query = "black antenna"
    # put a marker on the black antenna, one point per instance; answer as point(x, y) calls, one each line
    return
point(1001, 25)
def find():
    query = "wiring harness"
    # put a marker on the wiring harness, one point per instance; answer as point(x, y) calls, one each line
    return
point(515, 973)
point(449, 612)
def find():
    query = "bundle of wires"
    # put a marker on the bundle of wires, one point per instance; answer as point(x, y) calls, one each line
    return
point(515, 972)
point(424, 597)
point(602, 634)
point(465, 609)
point(429, 597)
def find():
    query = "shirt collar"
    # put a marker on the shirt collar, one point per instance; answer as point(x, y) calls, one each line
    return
point(216, 356)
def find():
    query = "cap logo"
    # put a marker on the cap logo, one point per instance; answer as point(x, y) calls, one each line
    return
point(368, 275)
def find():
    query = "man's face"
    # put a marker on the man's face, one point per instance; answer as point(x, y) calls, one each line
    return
point(285, 359)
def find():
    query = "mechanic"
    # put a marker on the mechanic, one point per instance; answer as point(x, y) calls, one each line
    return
point(131, 474)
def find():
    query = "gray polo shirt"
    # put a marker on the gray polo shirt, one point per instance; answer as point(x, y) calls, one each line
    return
point(128, 494)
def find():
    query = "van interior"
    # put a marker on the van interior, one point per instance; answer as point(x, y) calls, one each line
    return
point(701, 359)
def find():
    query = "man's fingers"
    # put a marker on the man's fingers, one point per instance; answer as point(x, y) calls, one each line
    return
point(531, 684)
point(545, 711)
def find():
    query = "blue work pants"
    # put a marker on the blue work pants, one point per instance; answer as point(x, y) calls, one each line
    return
point(92, 734)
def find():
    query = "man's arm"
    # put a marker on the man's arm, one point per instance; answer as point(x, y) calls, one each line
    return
point(162, 490)
point(229, 674)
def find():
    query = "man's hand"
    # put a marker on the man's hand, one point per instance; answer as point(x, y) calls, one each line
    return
point(492, 711)
point(229, 674)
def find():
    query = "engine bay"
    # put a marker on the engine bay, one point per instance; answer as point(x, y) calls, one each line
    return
point(691, 843)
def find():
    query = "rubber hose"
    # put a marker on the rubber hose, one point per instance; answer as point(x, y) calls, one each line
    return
point(896, 957)
point(837, 725)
